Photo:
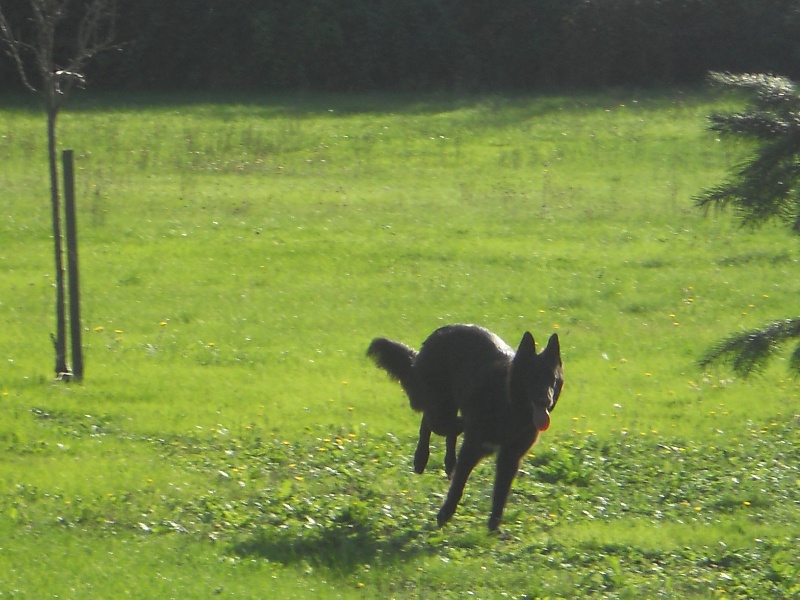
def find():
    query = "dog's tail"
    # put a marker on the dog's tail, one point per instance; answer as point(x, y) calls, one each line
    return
point(393, 357)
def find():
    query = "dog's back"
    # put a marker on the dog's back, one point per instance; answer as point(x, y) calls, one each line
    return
point(457, 361)
point(453, 362)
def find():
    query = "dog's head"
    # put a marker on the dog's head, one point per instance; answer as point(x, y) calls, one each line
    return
point(536, 380)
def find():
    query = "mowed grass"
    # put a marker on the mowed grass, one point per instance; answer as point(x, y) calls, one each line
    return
point(237, 257)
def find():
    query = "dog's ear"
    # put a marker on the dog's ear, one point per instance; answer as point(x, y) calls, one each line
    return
point(527, 348)
point(553, 348)
point(552, 352)
point(552, 360)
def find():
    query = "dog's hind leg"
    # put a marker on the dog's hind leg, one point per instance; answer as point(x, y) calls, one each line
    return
point(445, 421)
point(422, 452)
point(450, 455)
point(468, 457)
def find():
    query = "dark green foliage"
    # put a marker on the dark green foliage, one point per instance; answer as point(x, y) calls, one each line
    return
point(765, 187)
point(345, 45)
point(750, 351)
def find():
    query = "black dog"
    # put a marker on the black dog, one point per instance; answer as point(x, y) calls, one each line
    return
point(504, 400)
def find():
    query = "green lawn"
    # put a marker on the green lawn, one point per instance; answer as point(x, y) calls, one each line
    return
point(237, 257)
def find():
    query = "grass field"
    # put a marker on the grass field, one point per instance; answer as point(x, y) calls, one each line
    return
point(237, 257)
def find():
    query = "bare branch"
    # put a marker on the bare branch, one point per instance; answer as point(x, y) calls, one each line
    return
point(96, 33)
point(97, 28)
point(14, 49)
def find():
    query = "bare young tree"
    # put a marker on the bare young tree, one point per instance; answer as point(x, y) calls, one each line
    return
point(50, 50)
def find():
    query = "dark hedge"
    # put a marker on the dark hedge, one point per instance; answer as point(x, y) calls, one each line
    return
point(416, 45)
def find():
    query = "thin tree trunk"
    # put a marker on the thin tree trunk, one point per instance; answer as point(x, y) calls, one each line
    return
point(60, 338)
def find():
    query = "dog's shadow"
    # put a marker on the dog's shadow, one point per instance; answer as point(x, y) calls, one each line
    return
point(342, 549)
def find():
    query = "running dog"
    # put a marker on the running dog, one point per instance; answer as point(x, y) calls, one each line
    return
point(465, 379)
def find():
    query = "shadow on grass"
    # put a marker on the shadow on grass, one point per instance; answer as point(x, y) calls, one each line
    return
point(339, 549)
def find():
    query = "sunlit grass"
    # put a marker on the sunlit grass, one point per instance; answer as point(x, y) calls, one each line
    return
point(237, 257)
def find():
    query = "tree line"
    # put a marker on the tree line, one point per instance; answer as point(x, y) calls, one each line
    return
point(417, 45)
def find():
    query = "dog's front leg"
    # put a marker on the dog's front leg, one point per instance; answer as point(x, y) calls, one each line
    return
point(507, 468)
point(468, 457)
point(423, 447)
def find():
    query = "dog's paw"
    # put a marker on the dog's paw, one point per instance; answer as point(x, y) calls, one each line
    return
point(421, 460)
point(494, 526)
point(445, 514)
point(449, 467)
point(501, 535)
